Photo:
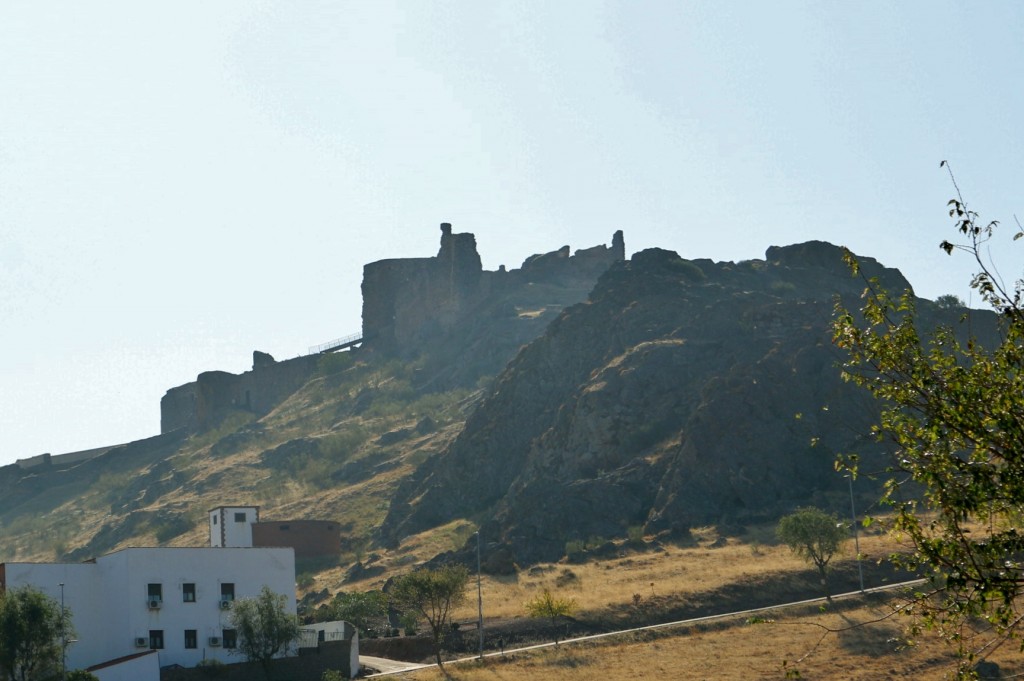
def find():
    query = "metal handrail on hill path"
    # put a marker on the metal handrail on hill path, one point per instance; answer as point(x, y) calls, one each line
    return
point(336, 344)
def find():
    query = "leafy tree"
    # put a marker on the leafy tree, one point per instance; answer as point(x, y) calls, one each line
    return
point(431, 594)
point(546, 604)
point(364, 610)
point(31, 631)
point(815, 536)
point(948, 301)
point(954, 411)
point(265, 628)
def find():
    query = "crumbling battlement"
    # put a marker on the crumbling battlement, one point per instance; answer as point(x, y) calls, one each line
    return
point(410, 301)
point(202, 403)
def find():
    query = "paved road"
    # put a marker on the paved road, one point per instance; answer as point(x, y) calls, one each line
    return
point(397, 667)
point(386, 666)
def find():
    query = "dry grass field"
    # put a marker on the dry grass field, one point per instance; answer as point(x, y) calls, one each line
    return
point(668, 571)
point(854, 639)
point(803, 643)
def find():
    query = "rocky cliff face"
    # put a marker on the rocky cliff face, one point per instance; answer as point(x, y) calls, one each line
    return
point(681, 392)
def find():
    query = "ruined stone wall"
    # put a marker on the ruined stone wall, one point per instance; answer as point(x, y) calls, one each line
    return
point(214, 394)
point(178, 409)
point(383, 285)
point(408, 302)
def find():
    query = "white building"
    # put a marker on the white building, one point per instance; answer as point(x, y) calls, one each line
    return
point(231, 526)
point(176, 601)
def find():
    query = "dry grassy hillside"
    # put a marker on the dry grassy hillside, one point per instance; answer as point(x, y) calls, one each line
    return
point(336, 449)
point(857, 638)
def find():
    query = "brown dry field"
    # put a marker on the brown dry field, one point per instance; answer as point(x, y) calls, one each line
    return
point(670, 570)
point(852, 644)
point(854, 641)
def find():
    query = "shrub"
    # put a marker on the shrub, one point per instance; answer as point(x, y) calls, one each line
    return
point(687, 269)
point(211, 667)
point(81, 675)
point(333, 675)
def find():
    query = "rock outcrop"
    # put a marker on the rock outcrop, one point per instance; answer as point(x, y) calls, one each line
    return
point(681, 393)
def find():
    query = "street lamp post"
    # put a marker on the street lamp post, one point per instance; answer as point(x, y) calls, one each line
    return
point(856, 535)
point(63, 638)
point(479, 599)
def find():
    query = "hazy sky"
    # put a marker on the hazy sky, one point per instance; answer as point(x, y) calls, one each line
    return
point(182, 183)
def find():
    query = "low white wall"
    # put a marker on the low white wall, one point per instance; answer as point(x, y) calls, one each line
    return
point(142, 668)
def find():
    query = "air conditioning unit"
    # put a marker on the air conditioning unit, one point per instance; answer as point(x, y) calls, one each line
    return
point(154, 603)
point(140, 642)
point(214, 641)
point(225, 604)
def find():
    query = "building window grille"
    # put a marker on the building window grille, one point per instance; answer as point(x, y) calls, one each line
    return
point(156, 639)
point(188, 592)
point(230, 638)
point(191, 638)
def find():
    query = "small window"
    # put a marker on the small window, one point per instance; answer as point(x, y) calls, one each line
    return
point(227, 591)
point(155, 592)
point(230, 638)
point(191, 638)
point(214, 520)
point(156, 639)
point(240, 517)
point(188, 592)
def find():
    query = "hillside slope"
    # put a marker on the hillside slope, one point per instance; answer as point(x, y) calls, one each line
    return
point(677, 393)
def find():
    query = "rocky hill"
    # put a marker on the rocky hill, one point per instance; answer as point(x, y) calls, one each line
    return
point(581, 396)
point(680, 393)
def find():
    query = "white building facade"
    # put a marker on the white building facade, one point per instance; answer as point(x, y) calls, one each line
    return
point(231, 526)
point(176, 601)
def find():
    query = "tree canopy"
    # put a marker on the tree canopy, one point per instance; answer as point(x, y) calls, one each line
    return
point(265, 627)
point(431, 594)
point(949, 301)
point(547, 605)
point(32, 628)
point(815, 536)
point(953, 410)
point(365, 610)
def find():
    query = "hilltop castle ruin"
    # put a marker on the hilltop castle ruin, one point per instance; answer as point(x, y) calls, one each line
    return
point(409, 301)
point(410, 304)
